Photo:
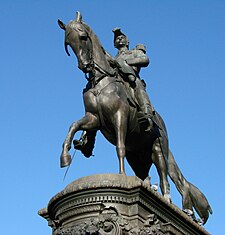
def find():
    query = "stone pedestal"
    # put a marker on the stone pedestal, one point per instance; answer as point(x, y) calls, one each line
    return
point(111, 204)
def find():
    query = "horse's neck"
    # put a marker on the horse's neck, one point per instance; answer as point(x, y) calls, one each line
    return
point(99, 55)
point(100, 59)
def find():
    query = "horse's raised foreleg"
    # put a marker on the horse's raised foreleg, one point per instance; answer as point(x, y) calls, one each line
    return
point(88, 122)
point(159, 160)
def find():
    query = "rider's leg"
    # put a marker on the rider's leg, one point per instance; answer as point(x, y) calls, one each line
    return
point(144, 103)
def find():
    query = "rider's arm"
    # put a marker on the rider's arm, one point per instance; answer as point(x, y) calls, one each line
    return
point(139, 59)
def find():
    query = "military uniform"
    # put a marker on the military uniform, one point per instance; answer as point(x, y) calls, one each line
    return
point(124, 56)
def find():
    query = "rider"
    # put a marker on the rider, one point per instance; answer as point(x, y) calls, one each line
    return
point(129, 64)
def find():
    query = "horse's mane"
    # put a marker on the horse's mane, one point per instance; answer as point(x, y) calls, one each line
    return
point(99, 53)
point(95, 41)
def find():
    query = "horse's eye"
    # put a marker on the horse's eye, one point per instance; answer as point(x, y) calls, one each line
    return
point(83, 36)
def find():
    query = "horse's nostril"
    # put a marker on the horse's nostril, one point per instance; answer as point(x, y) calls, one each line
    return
point(81, 66)
point(84, 67)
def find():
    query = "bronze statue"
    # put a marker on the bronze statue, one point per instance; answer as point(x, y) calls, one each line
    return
point(110, 108)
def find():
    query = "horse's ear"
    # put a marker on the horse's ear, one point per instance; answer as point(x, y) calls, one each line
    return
point(78, 17)
point(61, 25)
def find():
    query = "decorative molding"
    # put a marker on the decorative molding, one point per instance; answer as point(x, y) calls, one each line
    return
point(111, 223)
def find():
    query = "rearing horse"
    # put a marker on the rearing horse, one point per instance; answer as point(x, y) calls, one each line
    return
point(108, 109)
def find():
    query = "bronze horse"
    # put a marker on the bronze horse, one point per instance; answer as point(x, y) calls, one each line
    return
point(107, 109)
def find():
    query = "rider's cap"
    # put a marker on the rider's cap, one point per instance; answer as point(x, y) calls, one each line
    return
point(117, 32)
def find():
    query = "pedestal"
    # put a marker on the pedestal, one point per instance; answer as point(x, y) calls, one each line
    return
point(111, 204)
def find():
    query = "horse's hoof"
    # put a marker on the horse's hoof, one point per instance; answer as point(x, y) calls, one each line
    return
point(65, 160)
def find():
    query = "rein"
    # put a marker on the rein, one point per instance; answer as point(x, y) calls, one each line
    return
point(103, 70)
point(93, 78)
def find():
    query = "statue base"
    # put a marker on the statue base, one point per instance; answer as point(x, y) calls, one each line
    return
point(115, 204)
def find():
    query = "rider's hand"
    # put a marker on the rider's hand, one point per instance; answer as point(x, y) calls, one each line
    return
point(131, 78)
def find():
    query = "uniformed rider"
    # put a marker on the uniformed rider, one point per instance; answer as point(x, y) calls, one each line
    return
point(129, 63)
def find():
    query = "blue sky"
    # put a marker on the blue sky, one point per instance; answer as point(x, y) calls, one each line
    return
point(41, 95)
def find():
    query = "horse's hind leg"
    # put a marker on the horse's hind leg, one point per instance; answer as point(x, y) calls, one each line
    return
point(88, 122)
point(159, 160)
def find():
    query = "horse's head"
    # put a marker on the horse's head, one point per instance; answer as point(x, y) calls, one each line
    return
point(78, 38)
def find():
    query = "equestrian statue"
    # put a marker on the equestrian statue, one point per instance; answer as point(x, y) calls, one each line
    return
point(116, 103)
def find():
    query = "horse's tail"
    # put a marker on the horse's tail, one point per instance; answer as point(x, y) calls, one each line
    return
point(200, 203)
point(192, 197)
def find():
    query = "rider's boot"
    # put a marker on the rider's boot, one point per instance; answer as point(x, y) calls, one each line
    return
point(149, 114)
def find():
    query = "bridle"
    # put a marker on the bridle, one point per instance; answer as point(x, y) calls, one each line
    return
point(95, 72)
point(92, 75)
